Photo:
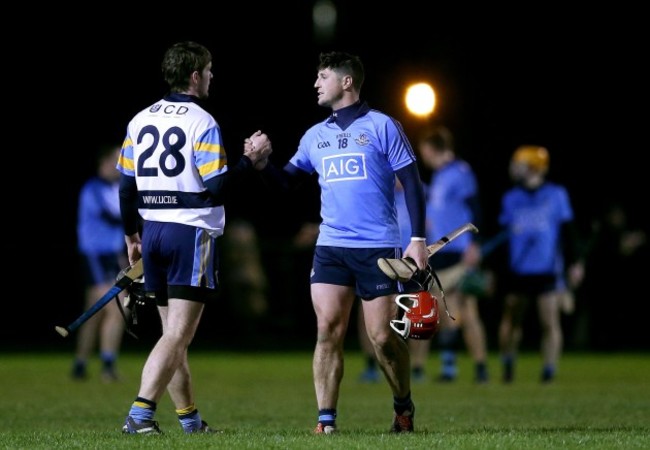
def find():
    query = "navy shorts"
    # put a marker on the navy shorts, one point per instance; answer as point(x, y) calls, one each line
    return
point(531, 285)
point(102, 268)
point(355, 267)
point(180, 261)
point(443, 260)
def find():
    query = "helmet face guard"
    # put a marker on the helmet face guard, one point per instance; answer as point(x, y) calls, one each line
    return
point(421, 317)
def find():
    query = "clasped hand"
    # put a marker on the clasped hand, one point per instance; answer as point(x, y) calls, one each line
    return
point(258, 148)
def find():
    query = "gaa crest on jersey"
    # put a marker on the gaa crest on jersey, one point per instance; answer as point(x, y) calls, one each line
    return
point(344, 167)
point(155, 108)
point(362, 140)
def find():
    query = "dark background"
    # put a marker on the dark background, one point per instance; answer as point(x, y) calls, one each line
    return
point(572, 81)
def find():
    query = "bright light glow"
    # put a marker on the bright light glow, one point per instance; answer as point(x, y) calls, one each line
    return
point(420, 99)
point(324, 18)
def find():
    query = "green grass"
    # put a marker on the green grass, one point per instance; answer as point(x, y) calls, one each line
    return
point(266, 401)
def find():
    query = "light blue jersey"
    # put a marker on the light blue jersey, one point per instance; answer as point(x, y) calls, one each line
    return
point(99, 224)
point(448, 204)
point(534, 220)
point(356, 173)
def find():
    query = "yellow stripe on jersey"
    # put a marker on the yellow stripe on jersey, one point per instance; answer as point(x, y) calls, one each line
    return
point(213, 158)
point(125, 161)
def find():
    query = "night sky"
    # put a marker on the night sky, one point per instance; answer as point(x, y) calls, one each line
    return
point(568, 81)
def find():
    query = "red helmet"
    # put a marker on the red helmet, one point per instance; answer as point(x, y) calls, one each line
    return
point(421, 315)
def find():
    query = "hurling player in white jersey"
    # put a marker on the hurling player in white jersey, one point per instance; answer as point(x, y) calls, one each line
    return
point(356, 153)
point(173, 174)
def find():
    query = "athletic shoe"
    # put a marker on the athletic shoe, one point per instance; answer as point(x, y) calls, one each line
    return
point(145, 427)
point(418, 375)
point(204, 429)
point(481, 374)
point(403, 423)
point(79, 371)
point(324, 429)
point(370, 375)
point(508, 373)
point(109, 375)
point(445, 378)
point(547, 377)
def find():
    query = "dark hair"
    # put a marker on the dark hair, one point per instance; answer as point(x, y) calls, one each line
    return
point(344, 64)
point(439, 137)
point(181, 60)
point(106, 150)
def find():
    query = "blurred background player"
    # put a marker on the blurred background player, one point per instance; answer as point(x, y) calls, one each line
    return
point(100, 238)
point(538, 217)
point(452, 200)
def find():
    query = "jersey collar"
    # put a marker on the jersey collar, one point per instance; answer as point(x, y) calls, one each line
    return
point(345, 116)
point(179, 97)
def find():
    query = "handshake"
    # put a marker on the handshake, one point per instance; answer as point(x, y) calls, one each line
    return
point(258, 148)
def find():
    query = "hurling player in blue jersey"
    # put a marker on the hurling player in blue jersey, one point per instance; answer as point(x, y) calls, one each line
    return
point(356, 152)
point(100, 237)
point(538, 217)
point(452, 200)
point(174, 175)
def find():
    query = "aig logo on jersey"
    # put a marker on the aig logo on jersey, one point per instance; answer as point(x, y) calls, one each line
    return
point(349, 166)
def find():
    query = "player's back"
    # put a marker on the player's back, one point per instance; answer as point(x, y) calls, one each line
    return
point(173, 146)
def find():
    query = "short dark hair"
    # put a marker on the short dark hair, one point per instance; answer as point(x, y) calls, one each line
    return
point(439, 137)
point(345, 64)
point(180, 61)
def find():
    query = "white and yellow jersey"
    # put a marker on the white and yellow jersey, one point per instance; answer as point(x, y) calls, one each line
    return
point(171, 148)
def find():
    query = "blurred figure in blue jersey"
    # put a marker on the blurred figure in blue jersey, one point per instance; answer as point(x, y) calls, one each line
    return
point(538, 217)
point(100, 238)
point(356, 152)
point(175, 176)
point(452, 200)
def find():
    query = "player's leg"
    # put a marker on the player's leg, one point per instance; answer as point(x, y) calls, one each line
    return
point(169, 272)
point(449, 336)
point(392, 356)
point(450, 270)
point(370, 373)
point(510, 332)
point(110, 339)
point(391, 350)
point(419, 350)
point(87, 336)
point(333, 306)
point(548, 309)
point(474, 335)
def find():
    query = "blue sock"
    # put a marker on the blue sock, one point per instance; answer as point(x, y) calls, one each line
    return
point(327, 417)
point(142, 410)
point(403, 404)
point(189, 418)
point(508, 362)
point(448, 358)
point(108, 359)
point(548, 372)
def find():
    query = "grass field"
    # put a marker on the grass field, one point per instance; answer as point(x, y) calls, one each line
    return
point(266, 401)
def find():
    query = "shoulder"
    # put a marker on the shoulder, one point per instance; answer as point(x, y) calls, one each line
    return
point(315, 129)
point(381, 117)
point(554, 186)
